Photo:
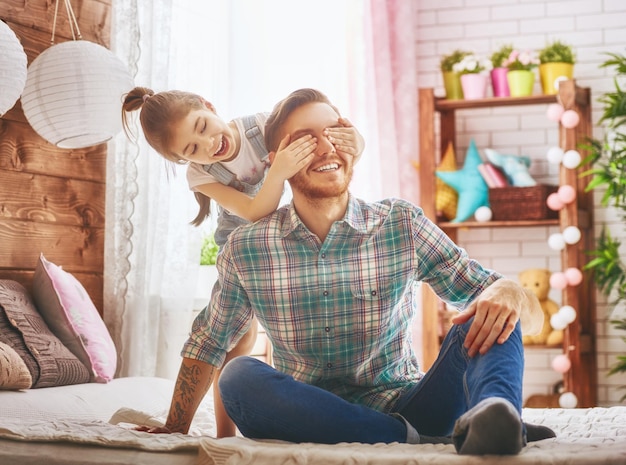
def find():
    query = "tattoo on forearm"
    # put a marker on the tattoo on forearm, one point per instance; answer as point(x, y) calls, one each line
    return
point(189, 381)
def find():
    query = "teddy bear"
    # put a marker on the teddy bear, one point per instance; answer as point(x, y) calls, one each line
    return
point(537, 280)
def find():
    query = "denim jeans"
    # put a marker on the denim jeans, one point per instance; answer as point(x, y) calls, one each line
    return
point(267, 404)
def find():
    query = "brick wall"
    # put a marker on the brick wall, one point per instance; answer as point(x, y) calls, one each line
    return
point(592, 28)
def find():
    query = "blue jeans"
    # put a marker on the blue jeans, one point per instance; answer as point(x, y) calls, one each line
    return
point(267, 404)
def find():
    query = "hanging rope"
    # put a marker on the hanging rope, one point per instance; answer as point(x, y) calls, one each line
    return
point(74, 30)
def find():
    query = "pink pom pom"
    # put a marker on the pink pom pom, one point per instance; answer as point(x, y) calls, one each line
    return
point(558, 281)
point(570, 119)
point(561, 363)
point(566, 193)
point(573, 276)
point(555, 111)
point(554, 202)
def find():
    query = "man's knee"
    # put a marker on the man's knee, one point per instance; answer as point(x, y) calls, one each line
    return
point(237, 373)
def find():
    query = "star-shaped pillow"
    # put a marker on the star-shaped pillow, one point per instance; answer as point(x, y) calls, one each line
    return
point(446, 198)
point(468, 183)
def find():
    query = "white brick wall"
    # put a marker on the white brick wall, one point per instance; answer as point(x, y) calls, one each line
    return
point(593, 28)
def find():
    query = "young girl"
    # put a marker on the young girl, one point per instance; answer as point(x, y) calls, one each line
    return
point(227, 162)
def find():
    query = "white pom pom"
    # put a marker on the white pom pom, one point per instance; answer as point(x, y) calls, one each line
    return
point(556, 241)
point(568, 400)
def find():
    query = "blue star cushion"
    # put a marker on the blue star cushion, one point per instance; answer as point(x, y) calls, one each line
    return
point(470, 185)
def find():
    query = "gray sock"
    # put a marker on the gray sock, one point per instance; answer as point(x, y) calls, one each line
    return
point(493, 426)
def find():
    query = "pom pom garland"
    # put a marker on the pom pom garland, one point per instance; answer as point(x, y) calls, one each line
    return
point(558, 281)
point(554, 202)
point(568, 400)
point(571, 159)
point(574, 276)
point(555, 155)
point(566, 193)
point(556, 241)
point(483, 214)
point(571, 235)
point(555, 111)
point(570, 119)
point(561, 363)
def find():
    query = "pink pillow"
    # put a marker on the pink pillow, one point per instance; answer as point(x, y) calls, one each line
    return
point(71, 315)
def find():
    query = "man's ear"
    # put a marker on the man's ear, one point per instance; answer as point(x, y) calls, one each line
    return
point(210, 106)
point(272, 155)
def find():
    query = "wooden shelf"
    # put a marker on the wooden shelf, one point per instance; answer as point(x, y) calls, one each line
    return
point(579, 337)
point(497, 224)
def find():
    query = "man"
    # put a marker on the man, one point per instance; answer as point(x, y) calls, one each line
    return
point(332, 279)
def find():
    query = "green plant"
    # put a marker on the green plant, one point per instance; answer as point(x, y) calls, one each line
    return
point(448, 61)
point(498, 57)
point(608, 160)
point(557, 52)
point(208, 253)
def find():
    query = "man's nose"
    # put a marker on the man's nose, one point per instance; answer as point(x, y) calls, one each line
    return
point(324, 146)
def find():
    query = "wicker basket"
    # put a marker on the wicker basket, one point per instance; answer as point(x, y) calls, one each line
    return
point(521, 203)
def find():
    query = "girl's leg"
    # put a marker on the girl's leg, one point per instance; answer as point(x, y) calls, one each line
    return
point(456, 382)
point(224, 425)
point(268, 404)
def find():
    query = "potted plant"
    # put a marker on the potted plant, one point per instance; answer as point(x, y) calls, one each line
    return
point(556, 64)
point(608, 161)
point(207, 273)
point(499, 82)
point(521, 77)
point(451, 79)
point(473, 70)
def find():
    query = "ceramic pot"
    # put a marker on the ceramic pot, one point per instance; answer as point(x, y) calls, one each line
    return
point(552, 73)
point(452, 84)
point(499, 82)
point(521, 82)
point(474, 85)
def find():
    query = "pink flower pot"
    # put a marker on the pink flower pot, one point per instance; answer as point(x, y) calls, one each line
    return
point(499, 82)
point(474, 85)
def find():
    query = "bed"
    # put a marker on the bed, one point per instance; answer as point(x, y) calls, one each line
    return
point(60, 403)
point(92, 424)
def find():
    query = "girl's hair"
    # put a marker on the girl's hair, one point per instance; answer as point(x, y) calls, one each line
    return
point(159, 112)
point(283, 109)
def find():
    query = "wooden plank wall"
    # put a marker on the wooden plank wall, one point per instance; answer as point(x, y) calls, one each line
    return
point(52, 200)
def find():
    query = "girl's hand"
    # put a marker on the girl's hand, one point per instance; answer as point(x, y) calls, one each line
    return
point(346, 139)
point(292, 157)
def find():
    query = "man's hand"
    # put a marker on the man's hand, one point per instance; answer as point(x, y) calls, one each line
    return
point(496, 312)
point(153, 429)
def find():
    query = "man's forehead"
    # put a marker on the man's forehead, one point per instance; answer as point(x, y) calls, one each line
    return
point(311, 116)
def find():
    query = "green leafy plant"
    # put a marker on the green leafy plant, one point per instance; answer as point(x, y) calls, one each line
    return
point(448, 61)
point(208, 253)
point(557, 52)
point(498, 57)
point(608, 160)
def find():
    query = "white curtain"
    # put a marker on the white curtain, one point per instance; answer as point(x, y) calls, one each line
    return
point(243, 56)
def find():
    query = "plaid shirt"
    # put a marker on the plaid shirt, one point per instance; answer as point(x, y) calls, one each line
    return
point(338, 313)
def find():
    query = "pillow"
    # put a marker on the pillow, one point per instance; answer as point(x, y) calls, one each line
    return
point(14, 373)
point(71, 315)
point(446, 198)
point(468, 182)
point(49, 362)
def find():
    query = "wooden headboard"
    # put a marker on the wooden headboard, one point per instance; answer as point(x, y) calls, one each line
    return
point(52, 201)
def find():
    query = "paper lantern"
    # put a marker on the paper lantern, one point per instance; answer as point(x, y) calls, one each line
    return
point(13, 63)
point(73, 94)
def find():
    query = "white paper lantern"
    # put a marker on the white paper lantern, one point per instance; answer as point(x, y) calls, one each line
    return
point(13, 63)
point(73, 94)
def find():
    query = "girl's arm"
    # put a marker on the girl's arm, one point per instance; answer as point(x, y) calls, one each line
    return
point(290, 158)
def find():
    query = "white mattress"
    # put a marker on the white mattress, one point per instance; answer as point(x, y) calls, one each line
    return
point(70, 425)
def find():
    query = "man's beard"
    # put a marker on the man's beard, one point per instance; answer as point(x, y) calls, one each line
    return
point(316, 191)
